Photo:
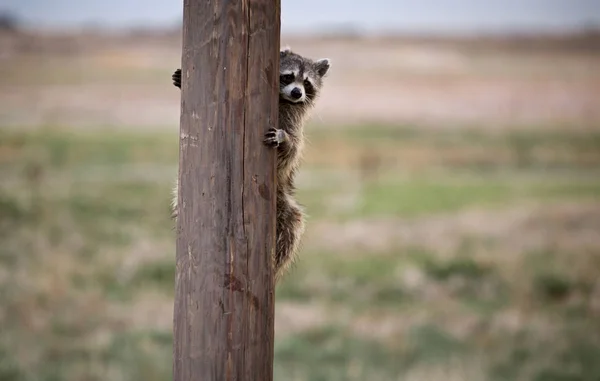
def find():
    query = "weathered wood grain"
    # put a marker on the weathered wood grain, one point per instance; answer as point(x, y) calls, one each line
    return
point(224, 298)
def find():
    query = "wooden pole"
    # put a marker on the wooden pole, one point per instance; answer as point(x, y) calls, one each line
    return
point(224, 300)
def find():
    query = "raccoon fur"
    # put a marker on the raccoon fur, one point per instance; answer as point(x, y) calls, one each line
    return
point(300, 82)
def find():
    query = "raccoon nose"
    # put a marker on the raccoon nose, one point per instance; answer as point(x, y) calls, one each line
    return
point(296, 93)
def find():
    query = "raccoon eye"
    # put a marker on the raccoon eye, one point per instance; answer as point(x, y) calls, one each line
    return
point(307, 84)
point(287, 78)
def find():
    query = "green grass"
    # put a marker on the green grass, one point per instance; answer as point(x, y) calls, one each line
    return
point(326, 351)
point(518, 137)
point(426, 195)
point(354, 281)
point(87, 259)
point(334, 353)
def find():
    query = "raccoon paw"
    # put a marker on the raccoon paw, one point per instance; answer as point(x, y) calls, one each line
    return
point(275, 137)
point(176, 77)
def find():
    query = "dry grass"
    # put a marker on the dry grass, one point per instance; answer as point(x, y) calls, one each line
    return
point(432, 277)
point(439, 246)
point(125, 81)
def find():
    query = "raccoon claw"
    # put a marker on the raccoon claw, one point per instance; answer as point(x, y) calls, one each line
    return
point(176, 77)
point(274, 137)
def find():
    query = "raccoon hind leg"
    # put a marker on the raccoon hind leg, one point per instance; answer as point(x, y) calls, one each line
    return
point(290, 228)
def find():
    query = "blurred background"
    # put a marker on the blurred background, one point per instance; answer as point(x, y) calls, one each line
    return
point(452, 182)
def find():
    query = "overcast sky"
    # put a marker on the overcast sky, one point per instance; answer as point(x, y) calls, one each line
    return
point(298, 15)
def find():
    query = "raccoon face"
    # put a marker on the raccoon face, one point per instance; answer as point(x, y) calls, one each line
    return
point(300, 78)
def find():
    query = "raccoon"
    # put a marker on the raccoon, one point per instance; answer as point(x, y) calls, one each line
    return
point(300, 82)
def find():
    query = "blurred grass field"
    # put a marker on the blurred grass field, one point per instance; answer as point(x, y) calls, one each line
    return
point(454, 212)
point(505, 289)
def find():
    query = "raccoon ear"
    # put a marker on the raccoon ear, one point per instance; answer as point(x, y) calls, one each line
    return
point(322, 66)
point(285, 50)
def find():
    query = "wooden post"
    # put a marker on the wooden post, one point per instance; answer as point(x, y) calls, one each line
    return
point(224, 299)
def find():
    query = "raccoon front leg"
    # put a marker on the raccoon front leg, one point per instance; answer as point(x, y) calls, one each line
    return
point(274, 137)
point(289, 231)
point(176, 77)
